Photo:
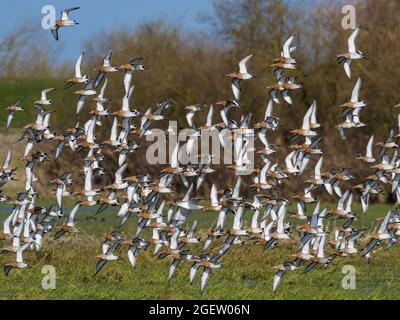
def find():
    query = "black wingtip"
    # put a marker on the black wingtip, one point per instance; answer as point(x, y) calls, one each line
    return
point(7, 270)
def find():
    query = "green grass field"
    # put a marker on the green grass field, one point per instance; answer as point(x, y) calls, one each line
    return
point(247, 271)
point(13, 90)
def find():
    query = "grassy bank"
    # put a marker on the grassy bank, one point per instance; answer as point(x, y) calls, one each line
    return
point(247, 271)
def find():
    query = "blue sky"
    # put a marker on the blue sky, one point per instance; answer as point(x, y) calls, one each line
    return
point(97, 15)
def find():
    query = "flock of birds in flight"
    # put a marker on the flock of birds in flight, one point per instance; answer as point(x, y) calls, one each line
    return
point(167, 222)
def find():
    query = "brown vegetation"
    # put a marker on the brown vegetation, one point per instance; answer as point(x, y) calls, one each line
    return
point(189, 67)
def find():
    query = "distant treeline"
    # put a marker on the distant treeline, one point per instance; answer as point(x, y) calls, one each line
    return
point(189, 68)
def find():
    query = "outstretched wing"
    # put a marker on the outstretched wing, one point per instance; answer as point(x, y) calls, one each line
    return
point(277, 279)
point(369, 147)
point(204, 278)
point(6, 162)
point(286, 48)
point(356, 91)
point(242, 64)
point(351, 41)
point(78, 65)
point(54, 32)
point(347, 68)
point(99, 265)
point(107, 59)
point(64, 13)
